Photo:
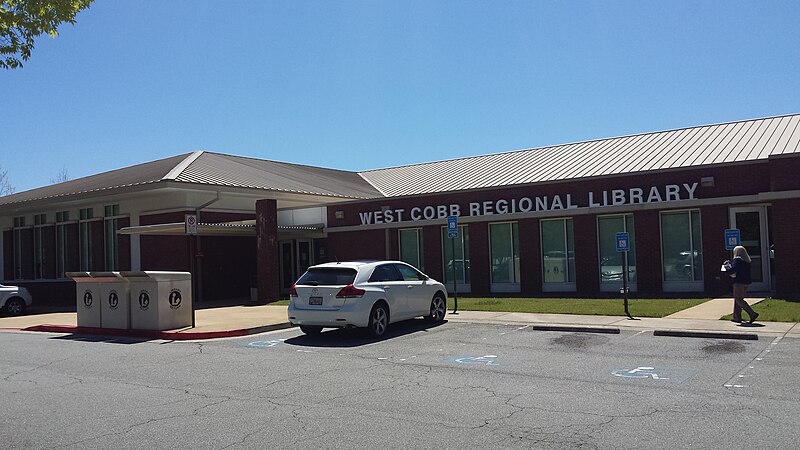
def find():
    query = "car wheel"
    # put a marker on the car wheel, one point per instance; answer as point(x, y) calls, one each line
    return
point(15, 306)
point(310, 330)
point(378, 320)
point(438, 308)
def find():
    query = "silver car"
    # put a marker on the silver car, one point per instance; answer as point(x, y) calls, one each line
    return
point(14, 300)
point(369, 294)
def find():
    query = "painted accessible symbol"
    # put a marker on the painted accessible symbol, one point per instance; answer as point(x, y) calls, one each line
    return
point(486, 360)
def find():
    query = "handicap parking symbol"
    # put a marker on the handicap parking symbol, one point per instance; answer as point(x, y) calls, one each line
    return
point(265, 344)
point(639, 372)
point(486, 360)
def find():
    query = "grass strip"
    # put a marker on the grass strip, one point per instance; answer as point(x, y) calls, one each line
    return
point(589, 306)
point(770, 310)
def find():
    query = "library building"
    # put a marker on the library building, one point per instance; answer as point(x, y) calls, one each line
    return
point(539, 222)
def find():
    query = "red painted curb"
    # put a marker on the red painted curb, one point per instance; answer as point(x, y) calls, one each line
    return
point(153, 334)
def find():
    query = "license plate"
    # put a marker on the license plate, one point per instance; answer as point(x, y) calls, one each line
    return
point(314, 300)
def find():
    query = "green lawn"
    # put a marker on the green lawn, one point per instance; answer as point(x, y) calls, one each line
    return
point(590, 306)
point(770, 310)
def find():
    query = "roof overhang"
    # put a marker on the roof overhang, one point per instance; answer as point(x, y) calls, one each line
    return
point(237, 228)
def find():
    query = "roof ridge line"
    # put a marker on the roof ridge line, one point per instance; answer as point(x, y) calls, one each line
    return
point(180, 167)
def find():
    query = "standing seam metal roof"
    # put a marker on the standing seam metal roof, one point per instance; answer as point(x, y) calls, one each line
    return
point(748, 140)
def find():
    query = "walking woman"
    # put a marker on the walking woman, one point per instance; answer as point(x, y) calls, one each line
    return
point(740, 277)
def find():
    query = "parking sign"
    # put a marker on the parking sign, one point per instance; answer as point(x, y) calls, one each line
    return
point(623, 243)
point(732, 238)
point(452, 226)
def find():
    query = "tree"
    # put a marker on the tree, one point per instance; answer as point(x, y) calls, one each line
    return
point(62, 176)
point(5, 185)
point(23, 20)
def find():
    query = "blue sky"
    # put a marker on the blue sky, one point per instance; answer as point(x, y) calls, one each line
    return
point(361, 85)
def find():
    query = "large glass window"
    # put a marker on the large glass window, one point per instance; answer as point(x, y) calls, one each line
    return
point(610, 258)
point(110, 223)
point(39, 221)
point(19, 253)
point(558, 251)
point(411, 247)
point(460, 248)
point(61, 243)
point(681, 247)
point(86, 214)
point(504, 248)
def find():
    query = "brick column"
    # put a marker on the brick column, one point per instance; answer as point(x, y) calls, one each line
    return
point(269, 289)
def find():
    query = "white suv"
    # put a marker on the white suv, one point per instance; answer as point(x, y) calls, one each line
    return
point(369, 294)
point(14, 300)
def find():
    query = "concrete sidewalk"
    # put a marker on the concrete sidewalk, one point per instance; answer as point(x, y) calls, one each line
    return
point(244, 320)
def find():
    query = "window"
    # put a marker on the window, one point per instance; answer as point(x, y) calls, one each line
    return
point(460, 247)
point(61, 243)
point(558, 252)
point(409, 273)
point(384, 273)
point(19, 253)
point(610, 259)
point(111, 223)
point(39, 221)
point(682, 252)
point(504, 249)
point(85, 228)
point(411, 247)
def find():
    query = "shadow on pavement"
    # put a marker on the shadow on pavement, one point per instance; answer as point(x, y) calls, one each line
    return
point(751, 325)
point(356, 337)
point(107, 339)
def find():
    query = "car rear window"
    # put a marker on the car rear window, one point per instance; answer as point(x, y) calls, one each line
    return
point(327, 277)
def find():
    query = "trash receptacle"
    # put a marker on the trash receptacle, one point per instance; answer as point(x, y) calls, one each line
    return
point(160, 300)
point(114, 300)
point(87, 292)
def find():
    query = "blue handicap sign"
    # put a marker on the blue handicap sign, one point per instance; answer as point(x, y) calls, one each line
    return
point(623, 242)
point(452, 226)
point(732, 238)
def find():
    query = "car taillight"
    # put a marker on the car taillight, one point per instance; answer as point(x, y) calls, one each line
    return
point(350, 291)
point(293, 291)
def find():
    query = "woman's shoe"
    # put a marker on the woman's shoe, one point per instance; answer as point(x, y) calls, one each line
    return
point(753, 318)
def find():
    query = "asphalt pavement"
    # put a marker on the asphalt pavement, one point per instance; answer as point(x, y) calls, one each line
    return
point(702, 320)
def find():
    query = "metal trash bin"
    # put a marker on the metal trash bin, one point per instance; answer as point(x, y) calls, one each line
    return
point(114, 300)
point(87, 293)
point(160, 300)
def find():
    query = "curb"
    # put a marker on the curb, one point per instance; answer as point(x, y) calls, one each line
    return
point(707, 334)
point(576, 329)
point(152, 334)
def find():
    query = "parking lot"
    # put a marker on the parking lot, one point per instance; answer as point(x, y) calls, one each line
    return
point(455, 385)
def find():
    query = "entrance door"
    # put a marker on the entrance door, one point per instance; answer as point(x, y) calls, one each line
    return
point(752, 224)
point(303, 256)
point(288, 271)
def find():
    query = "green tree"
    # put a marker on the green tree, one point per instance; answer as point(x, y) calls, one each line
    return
point(21, 21)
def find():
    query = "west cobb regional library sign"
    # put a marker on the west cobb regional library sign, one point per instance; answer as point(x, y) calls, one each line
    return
point(614, 197)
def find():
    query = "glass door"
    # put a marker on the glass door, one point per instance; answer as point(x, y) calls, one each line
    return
point(288, 272)
point(303, 256)
point(752, 224)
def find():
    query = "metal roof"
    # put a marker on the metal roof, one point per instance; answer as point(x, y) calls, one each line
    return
point(227, 170)
point(748, 140)
point(211, 169)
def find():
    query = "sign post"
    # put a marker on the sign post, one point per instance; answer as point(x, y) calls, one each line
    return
point(190, 224)
point(452, 233)
point(623, 246)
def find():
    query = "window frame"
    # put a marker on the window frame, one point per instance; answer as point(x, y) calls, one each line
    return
point(616, 285)
point(566, 286)
point(420, 253)
point(681, 285)
point(516, 285)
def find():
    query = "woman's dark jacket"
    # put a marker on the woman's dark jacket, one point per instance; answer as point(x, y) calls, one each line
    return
point(742, 271)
